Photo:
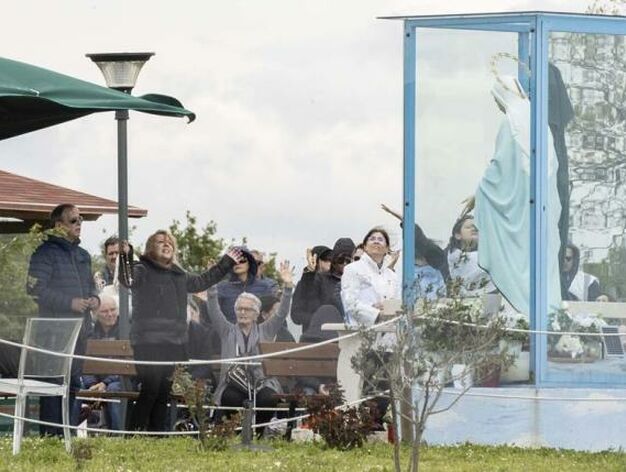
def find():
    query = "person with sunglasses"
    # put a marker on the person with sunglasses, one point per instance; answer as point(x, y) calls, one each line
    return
point(318, 293)
point(242, 278)
point(576, 284)
point(60, 281)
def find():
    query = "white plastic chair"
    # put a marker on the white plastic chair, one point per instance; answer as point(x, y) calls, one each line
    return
point(52, 334)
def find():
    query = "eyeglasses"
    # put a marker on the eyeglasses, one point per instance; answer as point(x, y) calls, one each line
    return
point(78, 219)
point(245, 309)
point(344, 260)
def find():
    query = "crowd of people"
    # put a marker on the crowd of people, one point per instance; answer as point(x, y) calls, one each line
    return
point(229, 309)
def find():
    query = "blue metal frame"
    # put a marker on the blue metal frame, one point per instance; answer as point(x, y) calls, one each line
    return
point(539, 196)
point(408, 203)
point(533, 29)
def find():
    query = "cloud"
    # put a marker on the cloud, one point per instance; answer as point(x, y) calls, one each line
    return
point(299, 131)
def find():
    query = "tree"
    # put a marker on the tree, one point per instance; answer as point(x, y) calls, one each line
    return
point(15, 304)
point(196, 246)
point(428, 342)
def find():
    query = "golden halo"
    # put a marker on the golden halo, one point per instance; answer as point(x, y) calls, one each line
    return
point(493, 65)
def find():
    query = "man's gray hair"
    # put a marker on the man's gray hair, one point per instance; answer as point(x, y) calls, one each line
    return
point(253, 298)
point(106, 297)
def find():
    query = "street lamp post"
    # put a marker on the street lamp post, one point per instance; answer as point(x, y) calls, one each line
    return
point(120, 72)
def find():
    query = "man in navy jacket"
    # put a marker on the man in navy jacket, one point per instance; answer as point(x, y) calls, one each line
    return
point(61, 283)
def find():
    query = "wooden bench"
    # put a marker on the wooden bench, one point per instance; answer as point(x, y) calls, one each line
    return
point(115, 350)
point(320, 361)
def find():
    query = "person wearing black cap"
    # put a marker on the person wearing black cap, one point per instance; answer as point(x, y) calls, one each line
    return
point(318, 294)
point(318, 258)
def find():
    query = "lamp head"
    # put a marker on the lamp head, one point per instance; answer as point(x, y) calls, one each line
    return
point(120, 69)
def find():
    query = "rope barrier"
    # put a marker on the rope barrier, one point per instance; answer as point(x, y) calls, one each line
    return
point(232, 360)
point(519, 330)
point(174, 433)
point(527, 397)
point(301, 417)
point(245, 360)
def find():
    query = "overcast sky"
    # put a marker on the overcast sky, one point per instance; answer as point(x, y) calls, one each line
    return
point(299, 131)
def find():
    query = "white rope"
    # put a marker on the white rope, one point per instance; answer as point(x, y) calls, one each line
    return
point(527, 397)
point(171, 433)
point(183, 406)
point(245, 360)
point(518, 330)
point(101, 430)
point(232, 360)
point(301, 417)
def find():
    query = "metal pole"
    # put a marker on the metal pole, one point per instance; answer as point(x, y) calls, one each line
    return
point(406, 429)
point(122, 201)
point(538, 198)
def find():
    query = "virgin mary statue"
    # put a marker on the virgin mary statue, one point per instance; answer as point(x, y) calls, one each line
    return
point(502, 204)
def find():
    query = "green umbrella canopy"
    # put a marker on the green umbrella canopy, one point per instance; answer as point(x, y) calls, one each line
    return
point(32, 98)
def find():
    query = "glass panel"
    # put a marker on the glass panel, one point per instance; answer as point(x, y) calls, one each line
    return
point(472, 141)
point(587, 120)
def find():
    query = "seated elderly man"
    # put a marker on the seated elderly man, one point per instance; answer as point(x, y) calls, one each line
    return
point(106, 327)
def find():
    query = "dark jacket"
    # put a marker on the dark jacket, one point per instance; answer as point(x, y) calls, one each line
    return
point(60, 271)
point(229, 290)
point(314, 290)
point(199, 347)
point(160, 299)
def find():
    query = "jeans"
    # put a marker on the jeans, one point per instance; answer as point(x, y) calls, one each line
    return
point(113, 411)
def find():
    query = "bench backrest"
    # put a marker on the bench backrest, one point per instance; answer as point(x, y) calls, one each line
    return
point(109, 348)
point(320, 361)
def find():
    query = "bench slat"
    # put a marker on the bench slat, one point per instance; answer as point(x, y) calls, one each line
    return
point(300, 368)
point(107, 395)
point(109, 348)
point(326, 351)
point(108, 368)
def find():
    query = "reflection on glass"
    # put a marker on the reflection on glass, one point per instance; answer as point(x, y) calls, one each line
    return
point(472, 171)
point(588, 121)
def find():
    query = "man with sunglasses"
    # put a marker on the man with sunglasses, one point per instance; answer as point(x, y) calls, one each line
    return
point(61, 283)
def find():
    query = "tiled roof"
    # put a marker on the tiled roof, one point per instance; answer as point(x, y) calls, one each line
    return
point(30, 199)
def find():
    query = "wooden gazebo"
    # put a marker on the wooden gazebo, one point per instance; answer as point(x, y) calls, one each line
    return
point(25, 201)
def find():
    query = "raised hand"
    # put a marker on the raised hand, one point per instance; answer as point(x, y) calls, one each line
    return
point(469, 202)
point(393, 259)
point(311, 260)
point(286, 273)
point(390, 211)
point(235, 254)
point(125, 247)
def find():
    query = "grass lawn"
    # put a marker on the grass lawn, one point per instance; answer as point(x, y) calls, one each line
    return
point(181, 454)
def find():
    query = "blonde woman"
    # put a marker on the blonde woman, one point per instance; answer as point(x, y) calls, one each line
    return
point(159, 326)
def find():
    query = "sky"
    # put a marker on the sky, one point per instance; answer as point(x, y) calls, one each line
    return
point(299, 131)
